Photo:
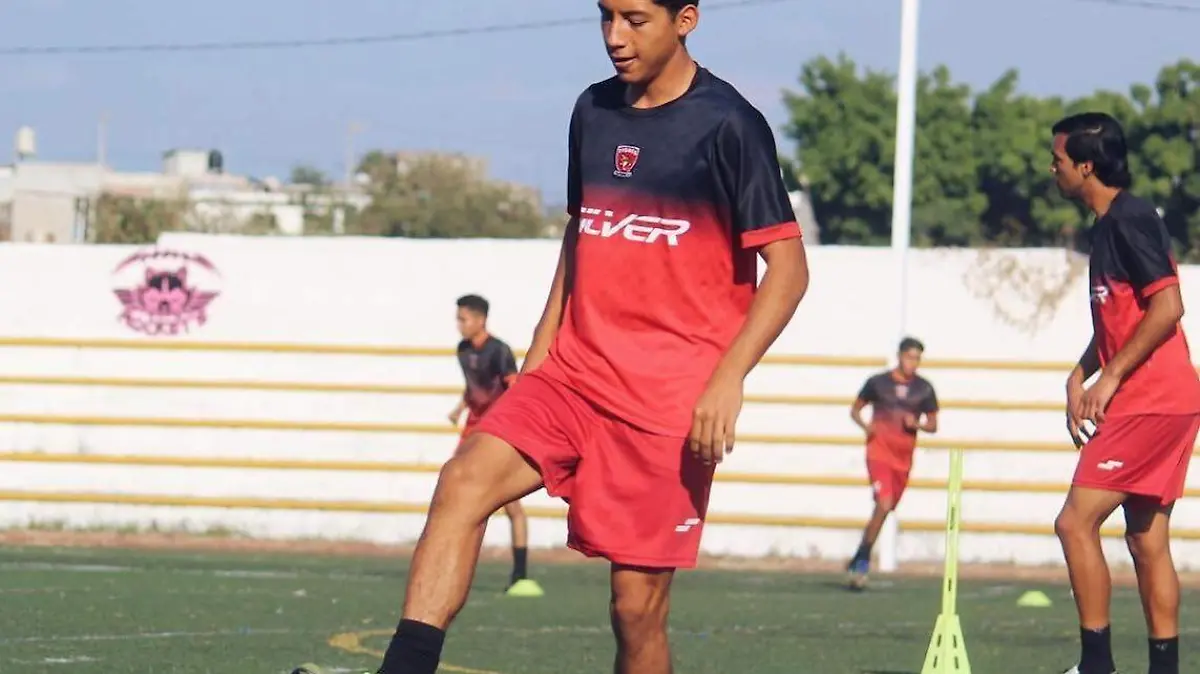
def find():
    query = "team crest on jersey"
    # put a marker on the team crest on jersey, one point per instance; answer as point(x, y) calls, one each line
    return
point(902, 391)
point(472, 360)
point(626, 159)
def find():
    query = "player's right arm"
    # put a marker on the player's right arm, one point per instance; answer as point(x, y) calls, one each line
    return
point(1088, 365)
point(547, 327)
point(456, 413)
point(866, 395)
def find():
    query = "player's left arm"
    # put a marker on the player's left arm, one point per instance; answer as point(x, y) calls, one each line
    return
point(1146, 255)
point(929, 413)
point(763, 219)
point(508, 366)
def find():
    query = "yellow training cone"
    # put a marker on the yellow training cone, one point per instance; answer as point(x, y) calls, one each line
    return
point(1034, 599)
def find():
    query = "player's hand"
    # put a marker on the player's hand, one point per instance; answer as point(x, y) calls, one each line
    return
point(910, 421)
point(455, 415)
point(714, 419)
point(1075, 427)
point(1096, 398)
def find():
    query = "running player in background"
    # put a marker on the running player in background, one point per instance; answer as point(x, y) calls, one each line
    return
point(902, 403)
point(633, 384)
point(1145, 404)
point(490, 368)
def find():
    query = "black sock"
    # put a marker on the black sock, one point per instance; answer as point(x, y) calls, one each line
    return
point(1164, 656)
point(520, 556)
point(864, 553)
point(416, 648)
point(1095, 656)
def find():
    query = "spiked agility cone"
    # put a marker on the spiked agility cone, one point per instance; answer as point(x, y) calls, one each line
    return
point(947, 652)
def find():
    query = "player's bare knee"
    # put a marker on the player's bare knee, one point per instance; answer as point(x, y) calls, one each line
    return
point(885, 505)
point(1147, 548)
point(638, 615)
point(640, 607)
point(1068, 525)
point(462, 486)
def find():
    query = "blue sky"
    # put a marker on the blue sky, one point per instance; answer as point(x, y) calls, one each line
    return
point(503, 96)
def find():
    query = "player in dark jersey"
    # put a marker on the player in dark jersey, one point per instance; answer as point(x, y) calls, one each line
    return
point(902, 403)
point(633, 383)
point(1144, 405)
point(490, 368)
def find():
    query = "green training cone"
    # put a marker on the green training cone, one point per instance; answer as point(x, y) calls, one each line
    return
point(525, 588)
point(1034, 599)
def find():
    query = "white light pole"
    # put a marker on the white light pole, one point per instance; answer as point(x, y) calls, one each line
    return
point(906, 122)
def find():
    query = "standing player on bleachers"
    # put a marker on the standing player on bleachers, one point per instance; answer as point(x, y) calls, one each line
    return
point(902, 403)
point(489, 366)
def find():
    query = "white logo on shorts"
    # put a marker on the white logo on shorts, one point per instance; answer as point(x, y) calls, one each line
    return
point(687, 525)
point(1110, 465)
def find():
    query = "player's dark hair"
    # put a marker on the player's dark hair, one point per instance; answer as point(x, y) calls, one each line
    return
point(1098, 138)
point(909, 343)
point(474, 303)
point(675, 6)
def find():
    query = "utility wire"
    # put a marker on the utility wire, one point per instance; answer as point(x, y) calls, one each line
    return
point(417, 36)
point(1160, 5)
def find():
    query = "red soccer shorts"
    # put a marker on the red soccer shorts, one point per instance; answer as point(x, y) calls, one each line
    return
point(634, 498)
point(1143, 454)
point(887, 481)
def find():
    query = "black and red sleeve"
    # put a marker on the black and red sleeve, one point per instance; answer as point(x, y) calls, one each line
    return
point(1144, 249)
point(929, 403)
point(749, 168)
point(869, 393)
point(574, 171)
point(508, 366)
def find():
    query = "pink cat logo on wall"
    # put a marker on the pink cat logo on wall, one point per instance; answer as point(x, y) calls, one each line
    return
point(165, 292)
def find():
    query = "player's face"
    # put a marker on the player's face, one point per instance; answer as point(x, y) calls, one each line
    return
point(910, 360)
point(1067, 175)
point(641, 37)
point(470, 323)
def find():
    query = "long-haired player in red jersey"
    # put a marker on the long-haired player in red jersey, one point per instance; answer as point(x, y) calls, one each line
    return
point(1144, 405)
point(632, 386)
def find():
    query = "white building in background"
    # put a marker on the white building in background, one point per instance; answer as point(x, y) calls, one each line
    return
point(51, 202)
point(805, 217)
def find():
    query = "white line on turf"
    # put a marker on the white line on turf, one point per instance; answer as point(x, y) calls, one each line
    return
point(247, 632)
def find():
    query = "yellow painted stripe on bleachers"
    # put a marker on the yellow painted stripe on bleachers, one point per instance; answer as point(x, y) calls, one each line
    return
point(426, 351)
point(533, 511)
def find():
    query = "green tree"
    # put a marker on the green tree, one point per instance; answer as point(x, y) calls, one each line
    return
point(981, 170)
point(440, 195)
point(308, 175)
point(124, 219)
point(844, 127)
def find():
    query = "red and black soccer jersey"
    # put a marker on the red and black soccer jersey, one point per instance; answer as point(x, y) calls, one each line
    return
point(488, 369)
point(672, 203)
point(891, 397)
point(1131, 260)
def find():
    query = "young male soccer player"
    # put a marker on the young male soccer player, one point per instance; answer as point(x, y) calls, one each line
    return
point(1145, 404)
point(490, 368)
point(902, 403)
point(632, 387)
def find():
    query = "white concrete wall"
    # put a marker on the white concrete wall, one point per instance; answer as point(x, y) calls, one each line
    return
point(401, 292)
